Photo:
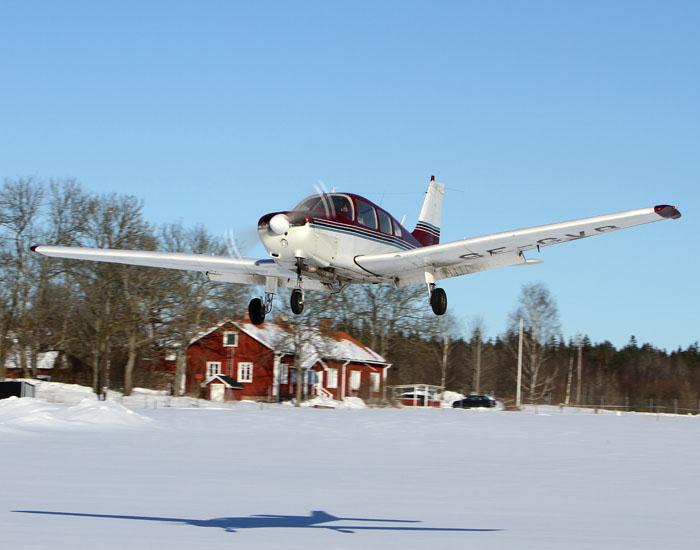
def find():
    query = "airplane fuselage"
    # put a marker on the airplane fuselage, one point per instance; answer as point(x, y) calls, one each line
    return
point(330, 234)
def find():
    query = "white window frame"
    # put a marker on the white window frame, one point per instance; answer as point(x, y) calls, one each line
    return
point(375, 382)
point(235, 343)
point(244, 366)
point(211, 365)
point(332, 379)
point(284, 373)
point(355, 380)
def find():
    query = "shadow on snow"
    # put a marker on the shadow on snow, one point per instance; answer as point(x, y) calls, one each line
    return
point(316, 520)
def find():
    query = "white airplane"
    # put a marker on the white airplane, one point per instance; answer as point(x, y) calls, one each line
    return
point(334, 239)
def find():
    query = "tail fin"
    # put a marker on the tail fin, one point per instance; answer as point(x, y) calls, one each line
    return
point(319, 516)
point(427, 229)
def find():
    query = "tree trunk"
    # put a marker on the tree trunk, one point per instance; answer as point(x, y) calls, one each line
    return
point(299, 388)
point(180, 366)
point(130, 362)
point(445, 354)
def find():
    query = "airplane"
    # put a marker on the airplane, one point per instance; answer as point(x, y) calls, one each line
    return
point(317, 519)
point(331, 240)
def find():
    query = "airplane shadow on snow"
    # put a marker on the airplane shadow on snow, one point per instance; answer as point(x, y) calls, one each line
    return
point(316, 520)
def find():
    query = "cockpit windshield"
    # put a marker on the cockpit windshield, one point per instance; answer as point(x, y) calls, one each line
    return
point(327, 205)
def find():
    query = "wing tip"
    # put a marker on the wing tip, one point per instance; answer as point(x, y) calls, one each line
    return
point(667, 211)
point(34, 247)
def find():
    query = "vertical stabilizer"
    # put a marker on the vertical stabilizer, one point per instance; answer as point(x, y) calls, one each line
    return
point(427, 229)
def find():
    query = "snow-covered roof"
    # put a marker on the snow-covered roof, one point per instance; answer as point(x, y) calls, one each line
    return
point(315, 344)
point(44, 361)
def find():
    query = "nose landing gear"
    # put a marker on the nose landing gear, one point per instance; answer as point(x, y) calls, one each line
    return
point(296, 301)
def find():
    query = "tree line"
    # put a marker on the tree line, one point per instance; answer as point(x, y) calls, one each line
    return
point(113, 324)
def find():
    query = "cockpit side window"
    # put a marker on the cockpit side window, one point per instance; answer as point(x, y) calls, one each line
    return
point(384, 222)
point(365, 214)
point(397, 229)
point(342, 206)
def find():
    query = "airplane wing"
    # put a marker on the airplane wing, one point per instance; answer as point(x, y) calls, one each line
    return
point(500, 249)
point(217, 268)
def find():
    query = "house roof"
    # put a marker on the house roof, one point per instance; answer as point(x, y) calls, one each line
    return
point(314, 344)
point(227, 380)
point(44, 361)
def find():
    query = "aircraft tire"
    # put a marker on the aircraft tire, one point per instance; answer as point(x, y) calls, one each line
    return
point(438, 301)
point(296, 301)
point(256, 311)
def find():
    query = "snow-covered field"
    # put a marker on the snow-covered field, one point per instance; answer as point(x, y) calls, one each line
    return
point(132, 473)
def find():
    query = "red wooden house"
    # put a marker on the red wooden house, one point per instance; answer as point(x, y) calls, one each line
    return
point(257, 362)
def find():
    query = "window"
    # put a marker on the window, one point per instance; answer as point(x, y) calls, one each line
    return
point(318, 378)
point(397, 229)
point(213, 368)
point(284, 374)
point(230, 339)
point(342, 206)
point(315, 206)
point(355, 377)
point(245, 372)
point(384, 222)
point(374, 382)
point(332, 378)
point(366, 215)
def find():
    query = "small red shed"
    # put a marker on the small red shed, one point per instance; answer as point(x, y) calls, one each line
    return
point(221, 388)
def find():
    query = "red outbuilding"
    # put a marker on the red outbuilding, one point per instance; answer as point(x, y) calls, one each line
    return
point(257, 362)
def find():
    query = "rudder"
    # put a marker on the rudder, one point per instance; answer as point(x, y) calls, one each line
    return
point(427, 231)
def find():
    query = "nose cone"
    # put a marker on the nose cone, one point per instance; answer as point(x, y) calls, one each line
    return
point(279, 224)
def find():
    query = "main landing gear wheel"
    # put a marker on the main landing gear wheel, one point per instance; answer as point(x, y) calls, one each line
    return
point(296, 301)
point(256, 311)
point(438, 301)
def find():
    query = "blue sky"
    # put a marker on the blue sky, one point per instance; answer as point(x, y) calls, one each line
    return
point(537, 112)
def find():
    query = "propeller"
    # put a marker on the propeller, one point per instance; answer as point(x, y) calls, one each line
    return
point(234, 243)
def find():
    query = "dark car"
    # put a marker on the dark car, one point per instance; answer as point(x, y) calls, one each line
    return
point(474, 401)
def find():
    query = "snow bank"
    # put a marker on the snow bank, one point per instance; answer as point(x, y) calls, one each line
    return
point(449, 397)
point(33, 413)
point(323, 401)
point(57, 392)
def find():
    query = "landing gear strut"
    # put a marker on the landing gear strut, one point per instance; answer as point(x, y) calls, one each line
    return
point(257, 308)
point(296, 300)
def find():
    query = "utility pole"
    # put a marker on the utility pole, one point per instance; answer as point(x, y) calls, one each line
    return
point(578, 372)
point(477, 376)
point(520, 364)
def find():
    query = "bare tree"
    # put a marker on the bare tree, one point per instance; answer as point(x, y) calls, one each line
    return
point(193, 302)
point(539, 311)
point(20, 206)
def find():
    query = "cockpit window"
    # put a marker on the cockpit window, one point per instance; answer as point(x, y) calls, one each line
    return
point(326, 205)
point(365, 214)
point(384, 222)
point(342, 206)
